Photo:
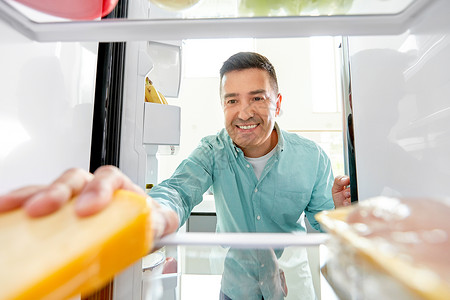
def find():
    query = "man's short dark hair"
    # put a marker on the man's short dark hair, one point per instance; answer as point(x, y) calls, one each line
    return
point(249, 60)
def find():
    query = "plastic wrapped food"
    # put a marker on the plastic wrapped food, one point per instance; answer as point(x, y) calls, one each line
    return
point(62, 255)
point(263, 8)
point(383, 238)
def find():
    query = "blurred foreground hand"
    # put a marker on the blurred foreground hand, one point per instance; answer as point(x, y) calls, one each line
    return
point(94, 192)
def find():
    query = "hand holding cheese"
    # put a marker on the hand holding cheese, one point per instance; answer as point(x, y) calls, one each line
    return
point(56, 247)
point(94, 192)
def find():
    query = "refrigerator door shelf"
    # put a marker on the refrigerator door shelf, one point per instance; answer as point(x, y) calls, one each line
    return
point(161, 124)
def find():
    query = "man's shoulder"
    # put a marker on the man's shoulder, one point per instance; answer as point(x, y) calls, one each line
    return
point(220, 140)
point(297, 140)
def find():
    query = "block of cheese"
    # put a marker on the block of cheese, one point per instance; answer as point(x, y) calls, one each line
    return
point(62, 255)
point(406, 240)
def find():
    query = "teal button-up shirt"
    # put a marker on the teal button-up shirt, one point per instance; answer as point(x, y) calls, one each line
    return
point(297, 178)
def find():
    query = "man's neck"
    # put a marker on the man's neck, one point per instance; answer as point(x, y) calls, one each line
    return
point(271, 142)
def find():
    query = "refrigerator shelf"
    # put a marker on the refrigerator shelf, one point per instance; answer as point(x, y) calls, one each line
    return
point(114, 30)
point(243, 240)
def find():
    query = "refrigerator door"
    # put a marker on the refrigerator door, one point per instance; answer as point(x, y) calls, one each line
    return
point(46, 107)
point(401, 110)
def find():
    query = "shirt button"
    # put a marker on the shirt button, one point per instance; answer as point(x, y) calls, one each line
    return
point(258, 217)
point(261, 283)
point(256, 190)
point(248, 166)
point(262, 266)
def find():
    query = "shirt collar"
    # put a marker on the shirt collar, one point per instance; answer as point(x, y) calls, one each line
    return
point(280, 144)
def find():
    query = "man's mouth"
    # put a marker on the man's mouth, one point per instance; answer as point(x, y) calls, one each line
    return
point(247, 126)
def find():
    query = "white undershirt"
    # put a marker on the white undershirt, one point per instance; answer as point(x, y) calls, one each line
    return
point(259, 163)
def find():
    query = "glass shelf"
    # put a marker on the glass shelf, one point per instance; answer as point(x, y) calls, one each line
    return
point(243, 240)
point(200, 265)
point(222, 19)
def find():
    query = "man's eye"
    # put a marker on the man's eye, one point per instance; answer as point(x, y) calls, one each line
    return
point(258, 98)
point(231, 101)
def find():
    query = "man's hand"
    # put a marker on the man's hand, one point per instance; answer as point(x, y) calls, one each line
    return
point(341, 191)
point(94, 192)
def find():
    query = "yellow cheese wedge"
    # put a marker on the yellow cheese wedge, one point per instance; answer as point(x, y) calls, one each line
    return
point(62, 255)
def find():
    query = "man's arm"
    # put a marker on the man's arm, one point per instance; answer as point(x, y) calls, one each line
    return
point(185, 188)
point(321, 197)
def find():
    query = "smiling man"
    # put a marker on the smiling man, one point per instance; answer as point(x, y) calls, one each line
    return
point(263, 178)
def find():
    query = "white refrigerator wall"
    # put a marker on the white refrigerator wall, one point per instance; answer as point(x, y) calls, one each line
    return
point(401, 108)
point(46, 105)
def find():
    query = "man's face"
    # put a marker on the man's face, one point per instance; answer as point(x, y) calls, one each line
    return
point(250, 106)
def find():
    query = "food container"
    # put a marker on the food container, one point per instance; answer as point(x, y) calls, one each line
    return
point(389, 248)
point(154, 263)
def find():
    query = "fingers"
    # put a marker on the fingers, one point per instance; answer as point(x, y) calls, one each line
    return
point(347, 200)
point(17, 198)
point(94, 192)
point(340, 200)
point(42, 200)
point(98, 192)
point(340, 182)
point(51, 198)
point(341, 191)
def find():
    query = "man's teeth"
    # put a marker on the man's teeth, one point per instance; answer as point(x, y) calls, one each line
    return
point(247, 126)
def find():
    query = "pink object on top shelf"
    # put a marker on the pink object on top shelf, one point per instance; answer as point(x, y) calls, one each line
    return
point(70, 9)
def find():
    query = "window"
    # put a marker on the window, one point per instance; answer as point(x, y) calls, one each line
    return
point(203, 58)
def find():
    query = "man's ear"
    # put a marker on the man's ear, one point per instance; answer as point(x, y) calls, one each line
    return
point(277, 110)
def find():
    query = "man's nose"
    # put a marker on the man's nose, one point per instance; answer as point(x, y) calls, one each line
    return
point(247, 111)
